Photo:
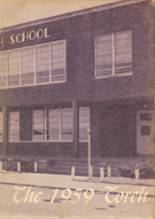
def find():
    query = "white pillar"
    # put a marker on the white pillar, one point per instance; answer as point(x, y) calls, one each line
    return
point(108, 171)
point(90, 168)
point(90, 172)
point(102, 173)
point(35, 166)
point(72, 172)
point(1, 165)
point(19, 166)
point(137, 174)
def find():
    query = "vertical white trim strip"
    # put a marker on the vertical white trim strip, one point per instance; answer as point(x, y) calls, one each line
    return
point(65, 48)
point(6, 62)
point(20, 67)
point(60, 121)
point(50, 62)
point(95, 59)
point(45, 124)
point(35, 67)
point(32, 125)
point(113, 54)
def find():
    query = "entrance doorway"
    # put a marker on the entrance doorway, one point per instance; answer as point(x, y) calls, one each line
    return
point(145, 133)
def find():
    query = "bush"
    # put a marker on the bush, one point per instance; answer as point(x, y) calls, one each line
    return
point(126, 172)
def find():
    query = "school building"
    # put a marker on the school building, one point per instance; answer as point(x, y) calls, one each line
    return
point(92, 69)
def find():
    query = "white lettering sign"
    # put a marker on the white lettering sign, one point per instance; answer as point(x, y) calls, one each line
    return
point(29, 36)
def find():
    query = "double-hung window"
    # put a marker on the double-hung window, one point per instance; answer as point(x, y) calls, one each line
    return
point(113, 54)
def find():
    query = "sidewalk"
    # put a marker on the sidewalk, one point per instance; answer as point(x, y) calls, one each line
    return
point(65, 181)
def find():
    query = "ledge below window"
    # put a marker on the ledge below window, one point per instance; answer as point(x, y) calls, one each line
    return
point(114, 76)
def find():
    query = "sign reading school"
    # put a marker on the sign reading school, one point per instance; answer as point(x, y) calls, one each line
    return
point(27, 36)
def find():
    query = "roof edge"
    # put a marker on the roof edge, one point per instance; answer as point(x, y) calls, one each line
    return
point(73, 14)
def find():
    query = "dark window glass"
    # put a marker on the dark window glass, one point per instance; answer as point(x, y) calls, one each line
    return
point(146, 130)
point(145, 116)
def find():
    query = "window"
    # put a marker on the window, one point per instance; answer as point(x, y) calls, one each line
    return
point(38, 125)
point(3, 69)
point(53, 125)
point(27, 66)
point(84, 123)
point(145, 116)
point(58, 57)
point(66, 124)
point(145, 130)
point(1, 126)
point(113, 54)
point(41, 64)
point(14, 127)
point(13, 68)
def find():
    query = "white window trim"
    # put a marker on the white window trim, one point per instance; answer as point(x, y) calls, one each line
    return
point(50, 67)
point(113, 75)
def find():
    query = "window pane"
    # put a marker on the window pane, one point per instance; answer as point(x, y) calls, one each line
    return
point(103, 55)
point(14, 127)
point(84, 123)
point(13, 68)
point(67, 124)
point(123, 52)
point(54, 119)
point(1, 126)
point(38, 125)
point(146, 130)
point(3, 59)
point(27, 60)
point(58, 56)
point(42, 64)
point(145, 116)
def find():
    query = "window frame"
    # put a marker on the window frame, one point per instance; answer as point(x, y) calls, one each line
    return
point(34, 47)
point(113, 56)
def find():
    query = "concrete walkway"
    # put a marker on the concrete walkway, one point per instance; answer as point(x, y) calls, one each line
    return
point(65, 181)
